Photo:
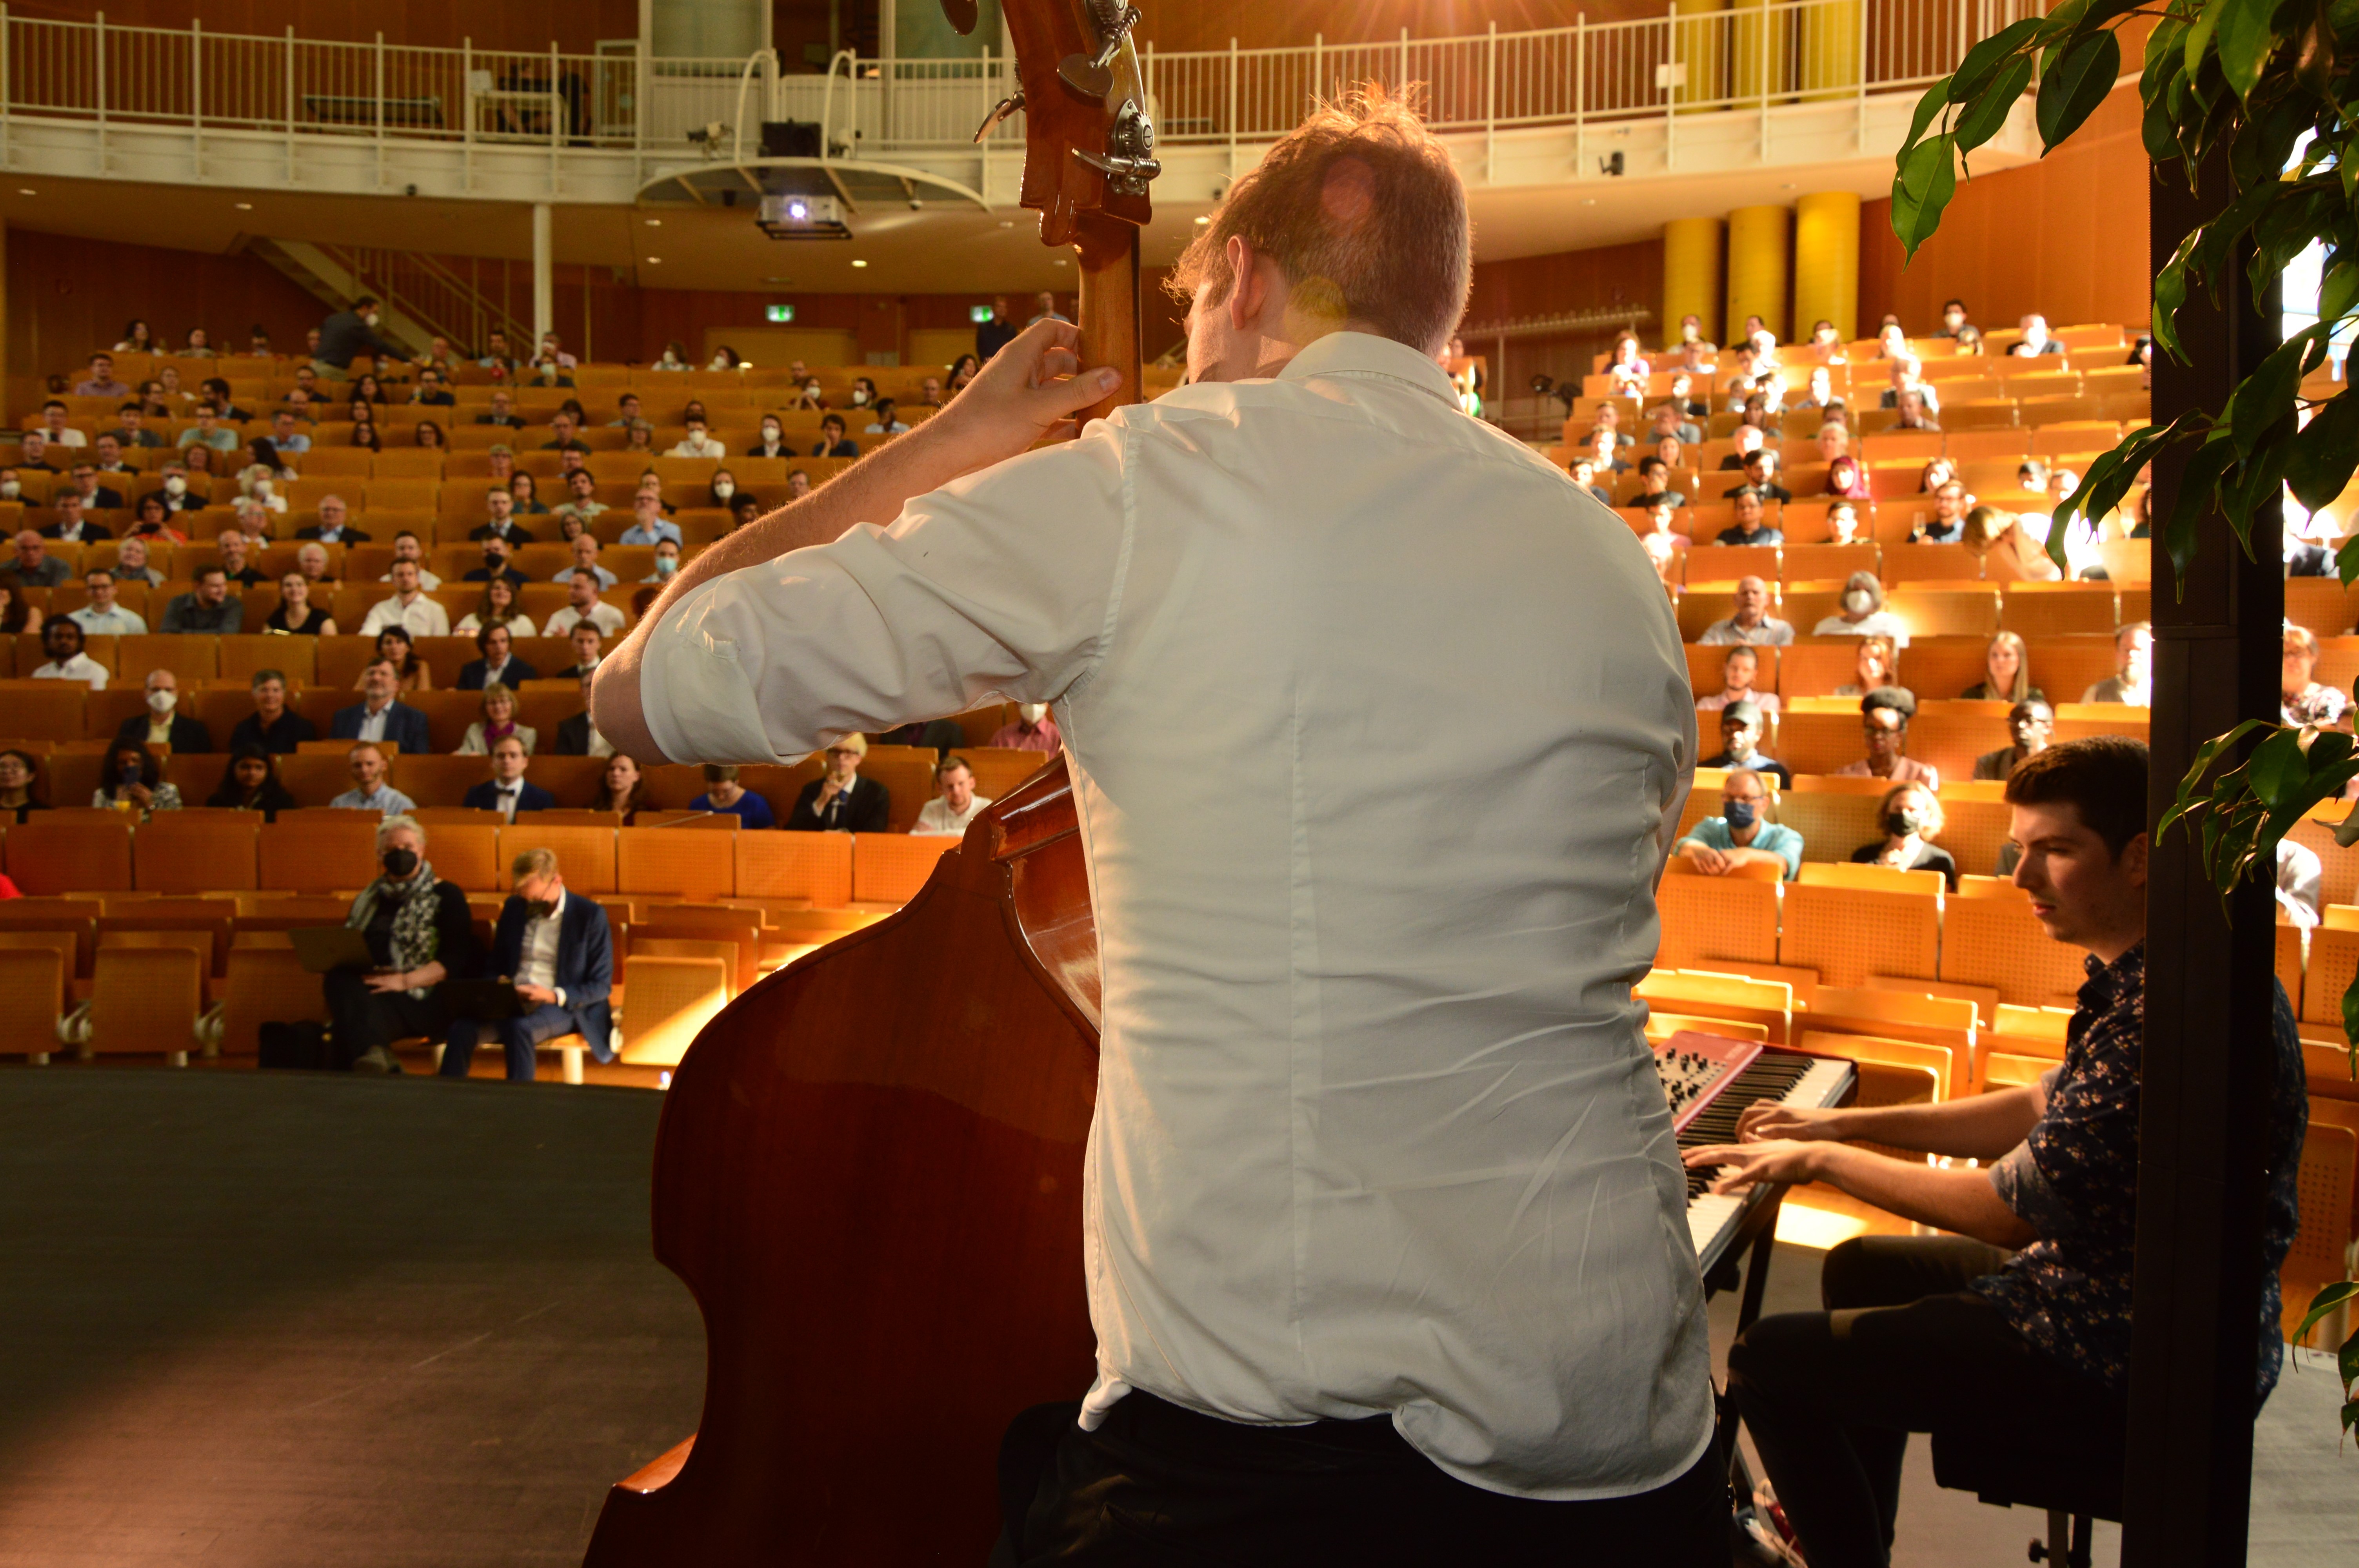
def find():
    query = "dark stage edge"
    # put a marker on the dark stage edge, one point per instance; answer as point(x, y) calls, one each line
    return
point(263, 1319)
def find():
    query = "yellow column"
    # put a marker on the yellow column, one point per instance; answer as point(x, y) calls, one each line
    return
point(1701, 46)
point(1691, 276)
point(1830, 59)
point(1757, 272)
point(1758, 48)
point(1826, 262)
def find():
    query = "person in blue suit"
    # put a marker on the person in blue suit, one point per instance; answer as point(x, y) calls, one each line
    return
point(378, 717)
point(559, 952)
point(507, 791)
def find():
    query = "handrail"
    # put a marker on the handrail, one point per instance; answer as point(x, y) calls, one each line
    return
point(1757, 58)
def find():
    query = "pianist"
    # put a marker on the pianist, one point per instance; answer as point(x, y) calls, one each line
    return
point(2022, 1315)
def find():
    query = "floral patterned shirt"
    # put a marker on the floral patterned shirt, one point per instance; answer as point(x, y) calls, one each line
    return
point(2074, 1180)
point(2314, 704)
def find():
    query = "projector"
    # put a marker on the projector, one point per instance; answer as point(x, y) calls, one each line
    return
point(803, 218)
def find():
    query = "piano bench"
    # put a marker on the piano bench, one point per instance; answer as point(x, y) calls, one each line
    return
point(569, 1050)
point(2074, 1485)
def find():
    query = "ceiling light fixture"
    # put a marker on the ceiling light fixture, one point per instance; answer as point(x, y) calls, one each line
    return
point(655, 261)
point(858, 262)
point(27, 190)
point(1008, 222)
point(246, 206)
point(1203, 219)
point(655, 223)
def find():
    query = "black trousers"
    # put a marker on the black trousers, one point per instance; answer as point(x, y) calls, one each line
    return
point(1831, 1397)
point(1157, 1485)
point(364, 1018)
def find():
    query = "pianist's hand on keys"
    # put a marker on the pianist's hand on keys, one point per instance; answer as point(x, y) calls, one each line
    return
point(1769, 1119)
point(1740, 1165)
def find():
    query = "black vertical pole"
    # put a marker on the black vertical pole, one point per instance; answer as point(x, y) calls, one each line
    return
point(2209, 1062)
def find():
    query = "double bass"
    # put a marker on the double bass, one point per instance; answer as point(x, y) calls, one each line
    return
point(868, 1170)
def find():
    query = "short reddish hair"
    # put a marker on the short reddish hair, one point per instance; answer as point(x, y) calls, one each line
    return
point(1363, 213)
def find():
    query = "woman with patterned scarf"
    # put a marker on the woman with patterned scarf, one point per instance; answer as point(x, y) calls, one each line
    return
point(419, 933)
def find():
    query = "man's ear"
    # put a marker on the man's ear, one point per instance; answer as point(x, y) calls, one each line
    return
point(2134, 855)
point(1248, 290)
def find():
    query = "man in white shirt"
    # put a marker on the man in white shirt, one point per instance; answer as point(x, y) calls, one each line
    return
point(559, 952)
point(1381, 1182)
point(697, 444)
point(585, 558)
point(583, 604)
point(369, 791)
point(62, 640)
point(949, 812)
point(408, 607)
point(407, 549)
point(103, 617)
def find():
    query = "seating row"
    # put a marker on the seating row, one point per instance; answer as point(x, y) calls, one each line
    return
point(1933, 609)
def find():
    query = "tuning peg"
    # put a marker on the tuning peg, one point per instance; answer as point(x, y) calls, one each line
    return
point(1126, 175)
point(999, 111)
point(962, 15)
point(1088, 78)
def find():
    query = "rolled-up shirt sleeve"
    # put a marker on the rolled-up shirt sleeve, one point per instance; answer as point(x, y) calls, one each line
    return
point(1001, 582)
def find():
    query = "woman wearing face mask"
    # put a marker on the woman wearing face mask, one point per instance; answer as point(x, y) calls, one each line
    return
point(418, 934)
point(1911, 818)
point(1033, 730)
point(810, 397)
point(250, 782)
point(773, 443)
point(133, 782)
point(674, 357)
point(724, 357)
point(725, 485)
point(863, 392)
point(1862, 614)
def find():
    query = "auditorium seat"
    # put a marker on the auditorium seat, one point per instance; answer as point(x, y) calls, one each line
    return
point(741, 928)
point(814, 866)
point(1849, 933)
point(184, 852)
point(1875, 879)
point(1891, 1072)
point(717, 947)
point(1709, 918)
point(318, 851)
point(2321, 1251)
point(1734, 997)
point(145, 1002)
point(683, 864)
point(466, 853)
point(585, 855)
point(2053, 609)
point(43, 709)
point(890, 868)
point(35, 993)
point(669, 1001)
point(56, 857)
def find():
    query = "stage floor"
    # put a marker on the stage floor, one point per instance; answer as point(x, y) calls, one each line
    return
point(280, 1321)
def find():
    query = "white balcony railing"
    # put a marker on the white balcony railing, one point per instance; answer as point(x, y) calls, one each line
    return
point(1760, 56)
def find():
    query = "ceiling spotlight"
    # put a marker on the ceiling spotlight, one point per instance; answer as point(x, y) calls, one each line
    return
point(858, 262)
point(246, 206)
point(27, 190)
point(1203, 219)
point(655, 261)
point(655, 223)
point(1588, 202)
point(1008, 222)
point(1060, 261)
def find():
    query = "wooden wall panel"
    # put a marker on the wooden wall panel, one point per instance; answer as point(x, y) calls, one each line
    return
point(1606, 278)
point(2065, 236)
point(67, 296)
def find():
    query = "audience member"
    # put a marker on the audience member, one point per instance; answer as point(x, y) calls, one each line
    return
point(1954, 317)
point(407, 550)
point(1583, 469)
point(1847, 479)
point(667, 562)
point(497, 563)
point(1863, 614)
point(2300, 883)
point(20, 616)
point(370, 792)
point(2035, 340)
point(1875, 665)
point(1910, 815)
point(581, 498)
point(507, 791)
point(577, 737)
point(2301, 700)
point(1740, 728)
point(34, 567)
point(582, 605)
point(131, 563)
point(296, 612)
point(499, 505)
point(413, 673)
point(833, 442)
point(496, 665)
point(840, 800)
point(409, 608)
point(1749, 620)
point(311, 560)
point(559, 952)
point(498, 723)
point(1741, 835)
point(102, 616)
point(497, 607)
point(1662, 541)
point(1761, 478)
point(208, 607)
point(332, 528)
point(649, 524)
point(1748, 441)
point(1884, 713)
point(1740, 668)
point(162, 724)
point(1948, 524)
point(584, 546)
point(956, 806)
point(101, 382)
point(273, 726)
point(235, 562)
point(71, 528)
point(250, 782)
point(723, 793)
point(698, 443)
point(587, 640)
point(2133, 678)
point(419, 933)
point(2006, 672)
point(1750, 528)
point(379, 715)
point(1032, 731)
point(2007, 554)
point(21, 786)
point(2031, 721)
point(130, 780)
point(619, 788)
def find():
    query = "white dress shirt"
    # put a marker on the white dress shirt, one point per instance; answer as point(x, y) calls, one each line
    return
point(505, 795)
point(426, 579)
point(937, 818)
point(81, 666)
point(117, 621)
point(1377, 1129)
point(421, 617)
point(603, 615)
point(536, 960)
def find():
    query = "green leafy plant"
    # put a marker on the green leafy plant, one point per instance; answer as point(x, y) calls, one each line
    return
point(2264, 83)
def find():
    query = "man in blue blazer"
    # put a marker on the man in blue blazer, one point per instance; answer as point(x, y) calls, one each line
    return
point(377, 717)
point(558, 952)
point(507, 791)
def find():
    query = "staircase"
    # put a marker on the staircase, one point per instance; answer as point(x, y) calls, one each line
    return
point(422, 299)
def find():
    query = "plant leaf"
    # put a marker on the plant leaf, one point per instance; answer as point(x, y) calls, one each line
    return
point(2189, 801)
point(2204, 466)
point(2337, 291)
point(2247, 40)
point(2325, 454)
point(1928, 106)
point(1979, 121)
point(2200, 36)
point(2256, 483)
point(1982, 61)
point(2170, 293)
point(1917, 168)
point(2267, 396)
point(2322, 1305)
point(2071, 89)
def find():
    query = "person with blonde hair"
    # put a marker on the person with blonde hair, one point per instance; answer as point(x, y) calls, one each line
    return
point(1267, 532)
point(498, 723)
point(2302, 700)
point(1910, 815)
point(1872, 666)
point(2006, 672)
point(557, 951)
point(2007, 554)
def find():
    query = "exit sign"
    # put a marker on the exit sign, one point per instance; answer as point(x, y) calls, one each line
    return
point(780, 313)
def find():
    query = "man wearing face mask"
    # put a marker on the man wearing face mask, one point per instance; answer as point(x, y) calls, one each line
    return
point(559, 952)
point(162, 724)
point(649, 525)
point(697, 443)
point(840, 800)
point(1740, 834)
point(667, 562)
point(495, 564)
point(175, 491)
point(1033, 730)
point(349, 335)
point(773, 443)
point(418, 933)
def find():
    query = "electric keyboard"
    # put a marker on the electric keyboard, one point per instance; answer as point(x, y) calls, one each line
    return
point(1710, 1080)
